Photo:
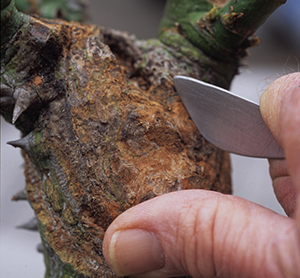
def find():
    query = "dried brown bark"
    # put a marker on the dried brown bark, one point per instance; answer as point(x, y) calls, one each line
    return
point(103, 134)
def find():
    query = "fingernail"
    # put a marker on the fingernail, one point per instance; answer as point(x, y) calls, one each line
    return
point(135, 251)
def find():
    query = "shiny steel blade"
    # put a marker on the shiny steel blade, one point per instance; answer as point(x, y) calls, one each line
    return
point(229, 122)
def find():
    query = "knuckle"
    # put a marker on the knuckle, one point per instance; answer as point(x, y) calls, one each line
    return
point(195, 237)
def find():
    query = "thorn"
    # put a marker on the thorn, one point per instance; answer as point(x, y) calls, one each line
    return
point(230, 19)
point(20, 196)
point(212, 14)
point(18, 110)
point(24, 100)
point(22, 143)
point(40, 248)
point(31, 225)
point(252, 41)
point(25, 143)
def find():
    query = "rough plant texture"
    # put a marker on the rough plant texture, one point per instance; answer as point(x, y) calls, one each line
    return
point(103, 128)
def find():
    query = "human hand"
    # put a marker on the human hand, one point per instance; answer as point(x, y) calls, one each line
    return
point(280, 108)
point(207, 234)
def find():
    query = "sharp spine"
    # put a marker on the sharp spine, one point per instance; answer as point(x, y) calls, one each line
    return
point(20, 196)
point(18, 110)
point(31, 225)
point(40, 248)
point(22, 143)
point(23, 100)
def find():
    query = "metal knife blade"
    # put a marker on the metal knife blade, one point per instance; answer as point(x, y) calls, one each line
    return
point(228, 121)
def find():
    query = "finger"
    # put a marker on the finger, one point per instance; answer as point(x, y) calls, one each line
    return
point(280, 108)
point(284, 188)
point(272, 99)
point(290, 127)
point(202, 234)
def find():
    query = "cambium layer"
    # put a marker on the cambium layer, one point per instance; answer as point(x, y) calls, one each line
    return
point(103, 128)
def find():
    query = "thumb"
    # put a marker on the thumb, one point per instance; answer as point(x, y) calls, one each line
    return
point(202, 234)
point(279, 105)
point(280, 108)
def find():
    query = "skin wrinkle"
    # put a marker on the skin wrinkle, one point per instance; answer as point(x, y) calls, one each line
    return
point(268, 251)
point(240, 247)
point(168, 233)
point(169, 244)
point(197, 243)
point(278, 168)
point(240, 244)
point(285, 193)
point(197, 239)
point(220, 243)
point(268, 258)
point(208, 222)
point(276, 245)
point(187, 213)
point(180, 239)
point(281, 244)
point(220, 263)
point(188, 239)
point(272, 231)
point(199, 258)
point(217, 272)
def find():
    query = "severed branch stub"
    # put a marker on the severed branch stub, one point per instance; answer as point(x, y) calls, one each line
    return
point(103, 128)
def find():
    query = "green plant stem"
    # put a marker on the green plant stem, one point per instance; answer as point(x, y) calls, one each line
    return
point(220, 32)
point(11, 22)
